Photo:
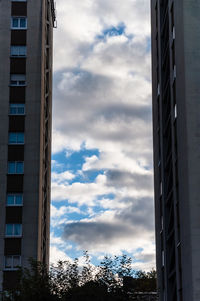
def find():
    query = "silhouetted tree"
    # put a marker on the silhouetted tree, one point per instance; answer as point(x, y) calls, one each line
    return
point(112, 280)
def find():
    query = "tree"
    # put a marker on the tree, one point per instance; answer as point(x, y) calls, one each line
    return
point(112, 280)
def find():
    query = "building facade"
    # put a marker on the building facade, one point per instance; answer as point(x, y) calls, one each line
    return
point(176, 134)
point(25, 131)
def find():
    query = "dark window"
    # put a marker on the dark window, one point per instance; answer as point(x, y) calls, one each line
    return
point(16, 123)
point(10, 279)
point(17, 94)
point(18, 37)
point(17, 109)
point(18, 65)
point(15, 183)
point(12, 262)
point(13, 215)
point(12, 246)
point(19, 9)
point(16, 153)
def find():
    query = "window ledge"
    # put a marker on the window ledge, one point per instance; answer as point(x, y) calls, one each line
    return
point(14, 205)
point(13, 236)
point(11, 269)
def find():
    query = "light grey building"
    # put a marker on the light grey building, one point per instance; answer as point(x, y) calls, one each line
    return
point(25, 131)
point(176, 131)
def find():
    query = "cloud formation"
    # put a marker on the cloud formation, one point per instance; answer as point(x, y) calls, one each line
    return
point(102, 101)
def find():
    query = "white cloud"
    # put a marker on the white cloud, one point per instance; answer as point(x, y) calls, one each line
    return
point(62, 177)
point(56, 254)
point(81, 193)
point(102, 100)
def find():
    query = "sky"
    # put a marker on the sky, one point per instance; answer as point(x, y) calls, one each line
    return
point(102, 173)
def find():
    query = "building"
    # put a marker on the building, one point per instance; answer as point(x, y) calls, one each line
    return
point(25, 131)
point(140, 289)
point(176, 134)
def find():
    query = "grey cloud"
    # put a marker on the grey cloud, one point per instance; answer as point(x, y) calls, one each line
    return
point(129, 223)
point(89, 105)
point(146, 257)
point(122, 178)
point(139, 214)
point(92, 233)
point(127, 112)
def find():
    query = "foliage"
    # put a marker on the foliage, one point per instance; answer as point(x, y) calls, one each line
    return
point(112, 280)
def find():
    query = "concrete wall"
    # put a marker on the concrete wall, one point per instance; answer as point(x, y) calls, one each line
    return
point(191, 25)
point(36, 211)
point(5, 21)
point(187, 160)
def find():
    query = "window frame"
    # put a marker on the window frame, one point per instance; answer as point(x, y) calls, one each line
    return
point(14, 204)
point(13, 230)
point(17, 106)
point(19, 18)
point(12, 267)
point(17, 138)
point(17, 80)
point(16, 163)
point(17, 54)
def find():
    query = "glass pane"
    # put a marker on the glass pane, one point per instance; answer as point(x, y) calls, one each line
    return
point(12, 138)
point(11, 167)
point(22, 22)
point(16, 261)
point(20, 137)
point(13, 83)
point(20, 167)
point(8, 262)
point(22, 50)
point(13, 111)
point(17, 109)
point(14, 50)
point(21, 83)
point(21, 110)
point(9, 229)
point(10, 199)
point(17, 229)
point(18, 77)
point(15, 22)
point(18, 199)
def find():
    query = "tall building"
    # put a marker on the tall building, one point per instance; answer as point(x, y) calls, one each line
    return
point(176, 133)
point(25, 131)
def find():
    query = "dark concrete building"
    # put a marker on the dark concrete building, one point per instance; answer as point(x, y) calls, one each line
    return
point(25, 131)
point(176, 134)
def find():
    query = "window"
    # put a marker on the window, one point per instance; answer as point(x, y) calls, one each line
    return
point(18, 51)
point(17, 109)
point(158, 89)
point(163, 258)
point(13, 230)
point(16, 138)
point(19, 23)
point(15, 167)
point(175, 111)
point(14, 200)
point(174, 71)
point(12, 262)
point(17, 80)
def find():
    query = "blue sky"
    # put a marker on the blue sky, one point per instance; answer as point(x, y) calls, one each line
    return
point(102, 192)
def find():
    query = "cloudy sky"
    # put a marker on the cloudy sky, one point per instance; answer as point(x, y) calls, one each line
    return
point(102, 194)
